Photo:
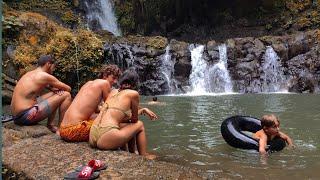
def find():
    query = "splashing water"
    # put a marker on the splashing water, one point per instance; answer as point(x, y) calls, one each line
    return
point(100, 14)
point(273, 77)
point(206, 79)
point(167, 69)
point(131, 59)
point(219, 78)
point(199, 67)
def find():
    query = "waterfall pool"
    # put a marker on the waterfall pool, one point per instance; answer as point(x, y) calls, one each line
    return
point(188, 133)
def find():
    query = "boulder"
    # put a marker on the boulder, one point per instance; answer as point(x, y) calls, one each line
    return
point(32, 152)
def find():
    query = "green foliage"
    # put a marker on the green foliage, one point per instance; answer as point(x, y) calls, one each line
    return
point(279, 5)
point(69, 18)
point(268, 27)
point(58, 9)
point(57, 6)
point(80, 51)
point(125, 16)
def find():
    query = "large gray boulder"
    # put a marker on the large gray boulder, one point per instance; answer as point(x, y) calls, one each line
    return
point(33, 152)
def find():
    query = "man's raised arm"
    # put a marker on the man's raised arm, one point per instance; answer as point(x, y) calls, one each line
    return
point(55, 83)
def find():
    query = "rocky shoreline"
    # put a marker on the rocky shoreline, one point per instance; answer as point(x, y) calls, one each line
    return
point(33, 152)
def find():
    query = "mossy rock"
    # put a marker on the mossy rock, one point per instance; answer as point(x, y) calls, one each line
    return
point(58, 10)
point(303, 23)
point(297, 6)
point(77, 52)
point(157, 42)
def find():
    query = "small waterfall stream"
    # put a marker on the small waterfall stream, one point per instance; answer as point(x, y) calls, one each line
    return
point(273, 77)
point(199, 67)
point(219, 78)
point(131, 59)
point(100, 14)
point(209, 79)
point(167, 69)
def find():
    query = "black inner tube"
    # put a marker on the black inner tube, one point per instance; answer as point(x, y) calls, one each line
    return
point(232, 132)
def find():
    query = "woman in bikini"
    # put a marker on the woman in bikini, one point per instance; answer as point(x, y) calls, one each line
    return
point(118, 124)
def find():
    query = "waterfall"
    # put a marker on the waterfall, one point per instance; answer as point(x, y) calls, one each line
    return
point(199, 67)
point(130, 60)
point(206, 78)
point(167, 69)
point(219, 78)
point(100, 15)
point(273, 77)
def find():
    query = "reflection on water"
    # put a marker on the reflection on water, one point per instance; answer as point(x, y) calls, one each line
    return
point(188, 133)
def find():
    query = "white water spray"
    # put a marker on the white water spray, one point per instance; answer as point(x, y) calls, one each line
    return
point(167, 69)
point(199, 67)
point(273, 77)
point(206, 79)
point(219, 78)
point(131, 59)
point(101, 12)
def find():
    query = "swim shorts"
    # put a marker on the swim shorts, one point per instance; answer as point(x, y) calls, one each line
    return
point(77, 132)
point(34, 114)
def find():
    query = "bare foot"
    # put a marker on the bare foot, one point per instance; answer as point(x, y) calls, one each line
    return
point(52, 128)
point(58, 132)
point(150, 156)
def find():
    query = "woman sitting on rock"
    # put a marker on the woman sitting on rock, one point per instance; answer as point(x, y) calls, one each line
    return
point(118, 124)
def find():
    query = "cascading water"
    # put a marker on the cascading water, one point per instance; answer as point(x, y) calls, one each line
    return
point(273, 77)
point(219, 78)
point(167, 69)
point(209, 79)
point(130, 60)
point(100, 15)
point(199, 67)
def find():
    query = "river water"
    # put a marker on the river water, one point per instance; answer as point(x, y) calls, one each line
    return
point(188, 133)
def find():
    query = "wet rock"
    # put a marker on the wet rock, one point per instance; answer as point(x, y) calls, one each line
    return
point(245, 59)
point(297, 45)
point(304, 71)
point(14, 133)
point(48, 157)
point(7, 89)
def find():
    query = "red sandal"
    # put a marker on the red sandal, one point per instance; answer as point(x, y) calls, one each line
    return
point(96, 165)
point(86, 172)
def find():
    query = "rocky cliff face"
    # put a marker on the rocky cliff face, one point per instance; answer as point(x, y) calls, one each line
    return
point(298, 55)
point(80, 52)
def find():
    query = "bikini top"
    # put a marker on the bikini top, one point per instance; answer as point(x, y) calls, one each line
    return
point(126, 113)
point(106, 106)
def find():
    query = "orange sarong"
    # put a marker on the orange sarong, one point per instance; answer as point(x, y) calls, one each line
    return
point(77, 132)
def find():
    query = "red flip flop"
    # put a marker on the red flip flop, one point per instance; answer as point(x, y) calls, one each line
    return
point(85, 173)
point(96, 165)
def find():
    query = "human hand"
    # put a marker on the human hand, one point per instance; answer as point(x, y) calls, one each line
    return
point(291, 146)
point(58, 92)
point(151, 114)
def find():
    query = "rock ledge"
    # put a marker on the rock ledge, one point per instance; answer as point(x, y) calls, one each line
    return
point(35, 153)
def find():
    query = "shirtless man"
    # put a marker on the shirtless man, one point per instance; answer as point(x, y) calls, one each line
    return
point(75, 126)
point(29, 105)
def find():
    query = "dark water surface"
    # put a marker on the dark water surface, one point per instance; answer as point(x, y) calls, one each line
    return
point(188, 133)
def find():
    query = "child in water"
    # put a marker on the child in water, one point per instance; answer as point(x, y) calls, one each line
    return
point(270, 129)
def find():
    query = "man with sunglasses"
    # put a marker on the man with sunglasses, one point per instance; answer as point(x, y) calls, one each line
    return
point(31, 105)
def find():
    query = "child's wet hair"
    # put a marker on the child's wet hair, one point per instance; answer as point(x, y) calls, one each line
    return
point(154, 98)
point(269, 120)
